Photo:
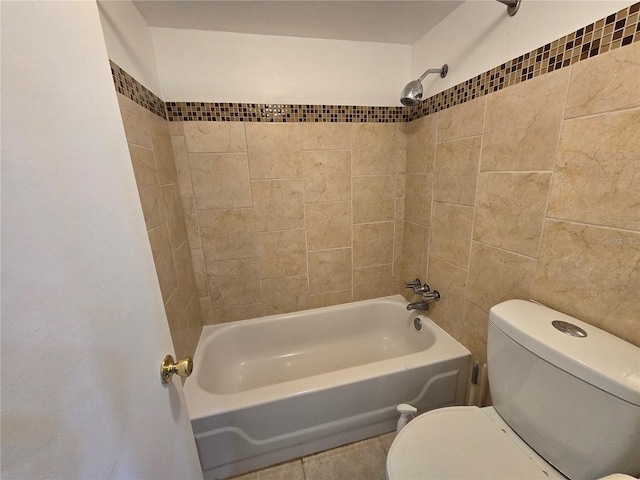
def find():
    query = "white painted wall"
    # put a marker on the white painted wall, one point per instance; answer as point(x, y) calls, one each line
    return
point(195, 65)
point(83, 324)
point(479, 35)
point(129, 42)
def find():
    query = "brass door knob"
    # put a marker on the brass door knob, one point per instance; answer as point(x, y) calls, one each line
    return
point(182, 368)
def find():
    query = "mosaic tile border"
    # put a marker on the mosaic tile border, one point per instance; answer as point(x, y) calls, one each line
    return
point(254, 112)
point(615, 31)
point(129, 87)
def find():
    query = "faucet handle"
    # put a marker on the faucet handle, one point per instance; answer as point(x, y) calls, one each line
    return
point(413, 283)
point(423, 289)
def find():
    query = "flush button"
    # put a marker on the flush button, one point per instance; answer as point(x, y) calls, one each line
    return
point(569, 328)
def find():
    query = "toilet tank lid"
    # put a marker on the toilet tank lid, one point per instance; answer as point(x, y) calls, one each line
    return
point(601, 359)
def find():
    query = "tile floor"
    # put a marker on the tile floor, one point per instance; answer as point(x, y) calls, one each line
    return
point(364, 460)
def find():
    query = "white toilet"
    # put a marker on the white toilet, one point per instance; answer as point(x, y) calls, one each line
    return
point(566, 404)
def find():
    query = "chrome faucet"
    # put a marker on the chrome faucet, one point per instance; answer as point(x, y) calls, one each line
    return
point(427, 295)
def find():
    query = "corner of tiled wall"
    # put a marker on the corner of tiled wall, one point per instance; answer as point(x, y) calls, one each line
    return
point(157, 181)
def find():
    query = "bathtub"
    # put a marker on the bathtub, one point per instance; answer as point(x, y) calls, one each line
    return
point(275, 388)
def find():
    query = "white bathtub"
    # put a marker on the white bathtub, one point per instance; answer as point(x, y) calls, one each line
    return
point(275, 388)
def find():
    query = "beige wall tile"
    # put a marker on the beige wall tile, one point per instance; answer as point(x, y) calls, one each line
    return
point(415, 246)
point(461, 121)
point(274, 150)
point(523, 123)
point(421, 142)
point(510, 210)
point(596, 178)
point(451, 227)
point(327, 176)
point(373, 148)
point(234, 282)
point(207, 310)
point(591, 273)
point(177, 320)
point(163, 260)
point(191, 221)
point(149, 190)
point(449, 325)
point(331, 298)
point(401, 185)
point(195, 323)
point(240, 312)
point(326, 136)
point(175, 214)
point(457, 164)
point(372, 282)
point(328, 225)
point(417, 204)
point(134, 119)
point(451, 282)
point(372, 244)
point(200, 272)
point(176, 129)
point(214, 137)
point(474, 332)
point(330, 270)
point(220, 180)
point(227, 234)
point(285, 294)
point(186, 276)
point(182, 165)
point(278, 204)
point(162, 149)
point(496, 275)
point(282, 253)
point(373, 198)
point(605, 83)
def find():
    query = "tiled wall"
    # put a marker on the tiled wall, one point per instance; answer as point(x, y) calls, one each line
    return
point(529, 191)
point(283, 217)
point(154, 168)
point(535, 194)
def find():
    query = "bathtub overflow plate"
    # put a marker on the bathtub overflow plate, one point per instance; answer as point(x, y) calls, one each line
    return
point(417, 323)
point(569, 328)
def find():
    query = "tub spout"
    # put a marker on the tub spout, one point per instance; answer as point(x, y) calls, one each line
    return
point(424, 303)
point(421, 305)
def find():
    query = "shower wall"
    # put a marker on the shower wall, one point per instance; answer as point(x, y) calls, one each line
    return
point(155, 172)
point(288, 216)
point(534, 193)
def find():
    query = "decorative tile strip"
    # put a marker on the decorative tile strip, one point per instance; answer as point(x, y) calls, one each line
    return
point(129, 87)
point(615, 31)
point(258, 112)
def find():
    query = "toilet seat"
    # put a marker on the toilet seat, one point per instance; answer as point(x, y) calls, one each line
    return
point(470, 443)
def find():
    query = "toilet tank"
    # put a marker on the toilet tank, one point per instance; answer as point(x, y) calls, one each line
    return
point(573, 399)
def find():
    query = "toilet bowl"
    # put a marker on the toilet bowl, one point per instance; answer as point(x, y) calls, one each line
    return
point(566, 401)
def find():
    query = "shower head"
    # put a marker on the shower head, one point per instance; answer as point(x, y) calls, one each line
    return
point(412, 93)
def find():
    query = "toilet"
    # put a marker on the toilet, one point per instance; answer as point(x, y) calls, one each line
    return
point(566, 404)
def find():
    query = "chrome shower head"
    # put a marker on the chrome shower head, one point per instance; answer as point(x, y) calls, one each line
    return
point(412, 93)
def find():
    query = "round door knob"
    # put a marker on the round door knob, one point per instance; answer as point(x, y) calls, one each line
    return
point(182, 368)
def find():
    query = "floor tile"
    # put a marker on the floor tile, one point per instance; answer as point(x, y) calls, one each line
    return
point(387, 440)
point(358, 461)
point(285, 471)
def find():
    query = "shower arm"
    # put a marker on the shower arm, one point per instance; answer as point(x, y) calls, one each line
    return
point(512, 6)
point(441, 71)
